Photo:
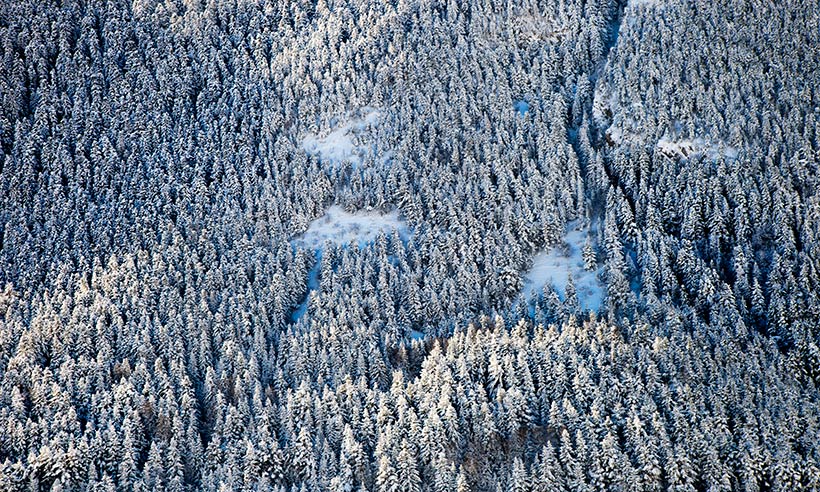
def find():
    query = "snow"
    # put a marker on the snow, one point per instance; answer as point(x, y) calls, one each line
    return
point(343, 143)
point(342, 227)
point(522, 107)
point(615, 134)
point(537, 27)
point(553, 267)
point(623, 131)
point(416, 335)
point(692, 147)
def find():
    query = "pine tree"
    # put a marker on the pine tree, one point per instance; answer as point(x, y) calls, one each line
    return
point(407, 470)
point(386, 477)
point(462, 485)
point(519, 481)
point(589, 257)
point(571, 296)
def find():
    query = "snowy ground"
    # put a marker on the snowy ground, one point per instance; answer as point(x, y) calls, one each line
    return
point(345, 141)
point(341, 227)
point(527, 25)
point(555, 265)
point(689, 148)
point(416, 335)
point(677, 149)
point(521, 106)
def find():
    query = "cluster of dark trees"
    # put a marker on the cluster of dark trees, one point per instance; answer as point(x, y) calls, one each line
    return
point(152, 183)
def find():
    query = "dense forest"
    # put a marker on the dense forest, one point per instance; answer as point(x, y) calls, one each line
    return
point(300, 245)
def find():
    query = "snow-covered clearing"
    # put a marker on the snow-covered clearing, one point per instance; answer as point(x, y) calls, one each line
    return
point(416, 335)
point(673, 148)
point(554, 266)
point(536, 27)
point(521, 106)
point(684, 149)
point(346, 141)
point(342, 227)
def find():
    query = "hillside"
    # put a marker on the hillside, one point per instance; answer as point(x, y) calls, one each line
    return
point(409, 245)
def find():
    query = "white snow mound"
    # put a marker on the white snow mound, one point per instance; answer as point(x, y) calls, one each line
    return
point(684, 149)
point(342, 227)
point(554, 266)
point(343, 143)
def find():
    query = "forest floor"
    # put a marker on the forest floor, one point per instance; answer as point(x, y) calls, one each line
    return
point(693, 147)
point(556, 265)
point(340, 144)
point(343, 228)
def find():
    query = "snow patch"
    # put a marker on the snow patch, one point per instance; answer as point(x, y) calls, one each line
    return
point(537, 27)
point(342, 227)
point(553, 267)
point(615, 135)
point(684, 149)
point(522, 107)
point(344, 143)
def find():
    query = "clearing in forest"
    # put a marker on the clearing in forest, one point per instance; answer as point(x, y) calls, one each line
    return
point(345, 142)
point(555, 265)
point(341, 227)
